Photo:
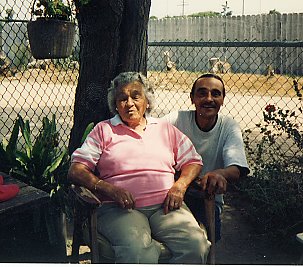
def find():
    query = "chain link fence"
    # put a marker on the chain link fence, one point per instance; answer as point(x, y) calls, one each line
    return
point(33, 88)
point(256, 74)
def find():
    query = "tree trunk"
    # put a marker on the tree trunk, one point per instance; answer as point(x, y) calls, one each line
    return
point(113, 39)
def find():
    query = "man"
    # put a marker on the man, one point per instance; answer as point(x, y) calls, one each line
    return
point(217, 138)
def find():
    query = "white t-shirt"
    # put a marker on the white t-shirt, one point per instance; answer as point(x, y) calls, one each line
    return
point(219, 148)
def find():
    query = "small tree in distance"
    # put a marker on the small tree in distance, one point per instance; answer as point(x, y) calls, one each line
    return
point(205, 14)
point(274, 12)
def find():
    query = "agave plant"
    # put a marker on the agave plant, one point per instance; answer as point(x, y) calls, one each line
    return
point(87, 130)
point(8, 150)
point(39, 162)
point(42, 163)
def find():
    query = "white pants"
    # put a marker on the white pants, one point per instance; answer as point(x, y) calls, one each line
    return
point(131, 233)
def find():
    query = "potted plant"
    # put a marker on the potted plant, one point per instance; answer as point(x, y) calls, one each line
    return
point(52, 34)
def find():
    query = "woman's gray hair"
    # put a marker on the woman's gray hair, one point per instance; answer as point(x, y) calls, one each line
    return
point(125, 78)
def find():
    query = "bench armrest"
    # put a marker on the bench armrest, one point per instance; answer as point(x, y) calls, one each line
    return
point(85, 195)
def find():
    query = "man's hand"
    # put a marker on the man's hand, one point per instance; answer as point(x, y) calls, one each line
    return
point(174, 197)
point(213, 182)
point(216, 181)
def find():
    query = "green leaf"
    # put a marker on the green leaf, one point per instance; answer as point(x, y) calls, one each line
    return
point(22, 157)
point(87, 131)
point(5, 164)
point(25, 130)
point(53, 124)
point(4, 143)
point(55, 164)
point(12, 144)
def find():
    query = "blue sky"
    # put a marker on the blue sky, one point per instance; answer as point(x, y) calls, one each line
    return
point(161, 8)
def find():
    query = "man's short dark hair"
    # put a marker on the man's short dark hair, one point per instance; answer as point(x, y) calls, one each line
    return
point(207, 75)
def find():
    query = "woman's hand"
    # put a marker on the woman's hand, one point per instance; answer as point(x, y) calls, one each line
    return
point(175, 196)
point(123, 197)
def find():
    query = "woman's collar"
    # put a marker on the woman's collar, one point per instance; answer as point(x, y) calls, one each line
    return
point(116, 120)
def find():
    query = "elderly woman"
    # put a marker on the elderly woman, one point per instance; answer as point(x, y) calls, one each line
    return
point(129, 162)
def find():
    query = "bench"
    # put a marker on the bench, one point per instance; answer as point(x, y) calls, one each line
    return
point(29, 198)
point(20, 223)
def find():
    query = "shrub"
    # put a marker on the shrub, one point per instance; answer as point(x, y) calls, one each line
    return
point(275, 189)
point(40, 163)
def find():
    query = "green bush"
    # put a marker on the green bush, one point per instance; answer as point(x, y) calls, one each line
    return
point(275, 200)
point(40, 163)
point(275, 188)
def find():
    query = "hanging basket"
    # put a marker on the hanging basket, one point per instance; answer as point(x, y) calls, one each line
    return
point(51, 38)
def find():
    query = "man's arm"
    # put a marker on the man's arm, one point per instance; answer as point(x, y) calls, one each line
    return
point(233, 156)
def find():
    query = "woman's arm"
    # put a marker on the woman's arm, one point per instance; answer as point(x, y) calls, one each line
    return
point(81, 175)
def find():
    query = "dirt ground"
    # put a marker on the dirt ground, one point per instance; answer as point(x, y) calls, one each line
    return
point(256, 84)
point(241, 244)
